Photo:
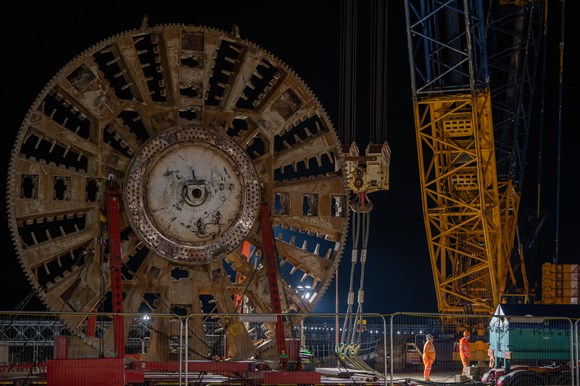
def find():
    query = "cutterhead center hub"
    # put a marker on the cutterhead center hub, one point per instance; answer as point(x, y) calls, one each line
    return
point(192, 194)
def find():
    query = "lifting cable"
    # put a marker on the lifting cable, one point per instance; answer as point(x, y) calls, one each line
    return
point(354, 326)
point(361, 219)
point(542, 117)
point(347, 124)
point(365, 221)
point(361, 206)
point(378, 72)
point(348, 321)
point(347, 90)
point(559, 143)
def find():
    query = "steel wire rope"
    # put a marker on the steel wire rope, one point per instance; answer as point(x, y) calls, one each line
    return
point(358, 326)
point(378, 69)
point(347, 122)
point(559, 140)
point(519, 105)
point(361, 291)
point(54, 323)
point(364, 206)
point(378, 27)
point(24, 302)
point(353, 326)
point(542, 116)
point(347, 71)
point(348, 322)
point(515, 150)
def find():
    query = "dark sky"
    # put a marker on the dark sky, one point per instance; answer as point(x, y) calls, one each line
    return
point(305, 35)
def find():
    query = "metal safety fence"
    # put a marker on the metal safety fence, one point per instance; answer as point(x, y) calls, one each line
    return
point(201, 349)
point(506, 350)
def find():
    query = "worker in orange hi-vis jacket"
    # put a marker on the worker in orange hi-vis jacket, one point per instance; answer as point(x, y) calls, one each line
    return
point(464, 351)
point(428, 357)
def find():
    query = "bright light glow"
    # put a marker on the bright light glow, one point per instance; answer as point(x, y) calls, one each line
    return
point(304, 291)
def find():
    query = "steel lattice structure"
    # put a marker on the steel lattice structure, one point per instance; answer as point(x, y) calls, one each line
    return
point(470, 169)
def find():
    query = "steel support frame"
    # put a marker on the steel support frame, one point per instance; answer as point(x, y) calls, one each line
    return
point(116, 265)
point(470, 215)
point(460, 201)
point(270, 262)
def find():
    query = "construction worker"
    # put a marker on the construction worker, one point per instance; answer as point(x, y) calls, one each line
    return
point(428, 357)
point(464, 351)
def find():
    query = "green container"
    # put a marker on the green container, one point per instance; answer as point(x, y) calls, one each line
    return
point(529, 337)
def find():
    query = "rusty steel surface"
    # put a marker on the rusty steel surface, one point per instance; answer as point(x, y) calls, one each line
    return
point(199, 127)
point(192, 194)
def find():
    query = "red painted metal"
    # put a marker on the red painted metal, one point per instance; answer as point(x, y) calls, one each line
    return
point(238, 367)
point(293, 350)
point(269, 255)
point(86, 372)
point(60, 347)
point(116, 265)
point(238, 298)
point(91, 326)
point(291, 377)
point(134, 376)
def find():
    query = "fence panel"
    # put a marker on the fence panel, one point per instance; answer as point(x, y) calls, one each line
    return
point(505, 349)
point(336, 346)
point(576, 362)
point(319, 348)
point(408, 334)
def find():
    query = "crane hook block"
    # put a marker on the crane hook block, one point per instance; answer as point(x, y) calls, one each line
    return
point(368, 173)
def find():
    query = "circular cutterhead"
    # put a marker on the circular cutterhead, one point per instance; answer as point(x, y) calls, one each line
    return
point(201, 129)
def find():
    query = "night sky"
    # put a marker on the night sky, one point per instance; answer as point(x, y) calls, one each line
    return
point(305, 35)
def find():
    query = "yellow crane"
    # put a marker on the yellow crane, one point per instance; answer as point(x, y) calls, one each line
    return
point(472, 94)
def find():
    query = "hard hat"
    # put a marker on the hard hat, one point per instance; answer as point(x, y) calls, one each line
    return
point(429, 336)
point(465, 333)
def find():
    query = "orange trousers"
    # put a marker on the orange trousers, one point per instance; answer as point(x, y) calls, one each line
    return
point(427, 371)
point(465, 363)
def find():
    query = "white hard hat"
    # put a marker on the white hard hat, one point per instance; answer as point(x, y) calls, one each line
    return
point(429, 336)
